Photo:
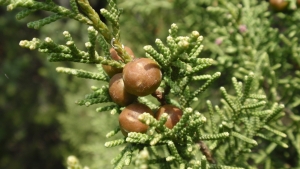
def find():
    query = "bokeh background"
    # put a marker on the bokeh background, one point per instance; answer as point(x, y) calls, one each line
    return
point(40, 126)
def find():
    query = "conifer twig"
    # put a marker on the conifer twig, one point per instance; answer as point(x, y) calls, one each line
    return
point(205, 151)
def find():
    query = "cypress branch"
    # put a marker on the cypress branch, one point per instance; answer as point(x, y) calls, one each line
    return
point(82, 73)
point(244, 138)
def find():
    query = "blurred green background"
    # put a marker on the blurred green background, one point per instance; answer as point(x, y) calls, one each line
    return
point(34, 96)
point(31, 98)
point(40, 126)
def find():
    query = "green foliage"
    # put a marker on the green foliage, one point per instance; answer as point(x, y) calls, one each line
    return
point(29, 102)
point(225, 124)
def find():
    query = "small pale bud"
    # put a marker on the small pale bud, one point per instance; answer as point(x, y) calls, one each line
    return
point(195, 33)
point(66, 34)
point(47, 39)
point(31, 47)
point(243, 28)
point(218, 41)
point(22, 43)
point(88, 44)
point(72, 161)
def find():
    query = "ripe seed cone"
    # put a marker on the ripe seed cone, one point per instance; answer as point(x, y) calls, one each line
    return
point(118, 93)
point(111, 71)
point(141, 76)
point(129, 121)
point(174, 115)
